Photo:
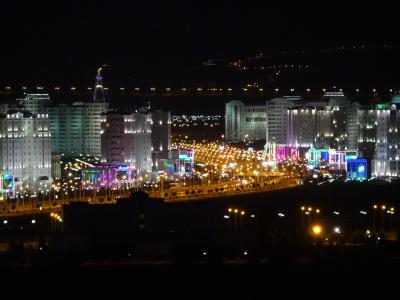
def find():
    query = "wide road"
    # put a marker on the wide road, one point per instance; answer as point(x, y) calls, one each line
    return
point(190, 193)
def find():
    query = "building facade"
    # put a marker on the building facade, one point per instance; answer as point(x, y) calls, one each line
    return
point(244, 122)
point(330, 123)
point(25, 148)
point(302, 126)
point(277, 120)
point(76, 128)
point(35, 103)
point(126, 139)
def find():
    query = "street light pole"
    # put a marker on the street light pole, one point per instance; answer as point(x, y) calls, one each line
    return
point(229, 219)
point(241, 220)
point(302, 216)
point(391, 217)
point(374, 218)
point(309, 217)
point(235, 211)
point(317, 211)
point(382, 221)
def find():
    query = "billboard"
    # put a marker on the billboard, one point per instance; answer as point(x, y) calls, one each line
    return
point(6, 182)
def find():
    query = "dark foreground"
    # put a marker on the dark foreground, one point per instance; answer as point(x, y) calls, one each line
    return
point(283, 258)
point(333, 280)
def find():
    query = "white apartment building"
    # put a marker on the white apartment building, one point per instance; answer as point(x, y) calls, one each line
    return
point(25, 148)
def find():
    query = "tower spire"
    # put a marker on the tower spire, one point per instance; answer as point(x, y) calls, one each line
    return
point(98, 95)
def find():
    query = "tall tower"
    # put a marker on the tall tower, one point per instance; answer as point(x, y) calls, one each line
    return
point(98, 95)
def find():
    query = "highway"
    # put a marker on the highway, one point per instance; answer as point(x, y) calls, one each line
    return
point(189, 193)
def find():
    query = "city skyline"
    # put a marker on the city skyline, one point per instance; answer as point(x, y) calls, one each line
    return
point(197, 149)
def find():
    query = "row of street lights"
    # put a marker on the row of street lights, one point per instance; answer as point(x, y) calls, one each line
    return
point(384, 209)
point(236, 212)
point(55, 219)
point(307, 211)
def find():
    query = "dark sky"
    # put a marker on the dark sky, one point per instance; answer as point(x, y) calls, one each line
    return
point(60, 40)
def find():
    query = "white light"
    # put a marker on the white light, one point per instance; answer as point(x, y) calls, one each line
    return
point(204, 253)
point(363, 212)
point(5, 222)
point(336, 230)
point(252, 216)
point(281, 215)
point(245, 252)
point(33, 221)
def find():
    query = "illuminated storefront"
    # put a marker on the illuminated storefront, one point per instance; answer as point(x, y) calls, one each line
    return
point(357, 169)
point(6, 183)
point(180, 163)
point(280, 152)
point(112, 176)
point(336, 159)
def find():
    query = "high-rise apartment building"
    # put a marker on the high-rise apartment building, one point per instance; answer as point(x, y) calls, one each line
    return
point(76, 127)
point(161, 131)
point(35, 103)
point(244, 121)
point(302, 126)
point(277, 120)
point(126, 139)
point(25, 148)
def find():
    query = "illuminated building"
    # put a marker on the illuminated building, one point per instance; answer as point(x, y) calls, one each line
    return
point(179, 164)
point(92, 123)
point(324, 133)
point(56, 166)
point(344, 123)
point(112, 176)
point(281, 152)
point(160, 134)
point(244, 122)
point(387, 151)
point(5, 107)
point(367, 131)
point(332, 123)
point(25, 148)
point(7, 185)
point(357, 169)
point(98, 95)
point(126, 139)
point(68, 128)
point(317, 157)
point(35, 103)
point(336, 160)
point(302, 126)
point(277, 124)
point(75, 128)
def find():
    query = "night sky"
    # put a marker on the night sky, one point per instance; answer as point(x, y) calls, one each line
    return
point(61, 41)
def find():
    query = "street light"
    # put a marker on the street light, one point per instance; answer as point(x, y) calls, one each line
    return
point(235, 211)
point(309, 216)
point(391, 213)
point(229, 215)
point(302, 216)
point(382, 218)
point(242, 213)
point(317, 211)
